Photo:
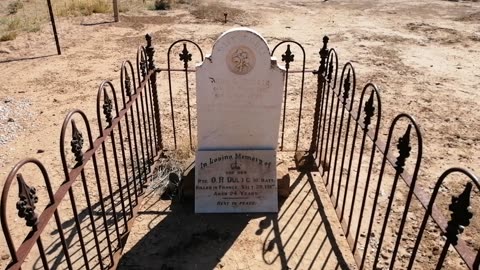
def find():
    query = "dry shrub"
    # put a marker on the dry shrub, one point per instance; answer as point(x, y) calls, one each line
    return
point(162, 4)
point(85, 8)
point(216, 13)
point(13, 24)
point(169, 4)
point(8, 36)
point(14, 6)
point(183, 152)
point(123, 8)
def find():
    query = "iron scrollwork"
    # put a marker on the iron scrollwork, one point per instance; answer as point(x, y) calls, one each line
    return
point(26, 203)
point(288, 57)
point(77, 143)
point(107, 108)
point(185, 56)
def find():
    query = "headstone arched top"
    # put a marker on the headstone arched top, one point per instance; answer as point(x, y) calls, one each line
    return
point(241, 51)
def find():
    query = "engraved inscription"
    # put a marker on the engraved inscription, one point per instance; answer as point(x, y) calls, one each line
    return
point(236, 181)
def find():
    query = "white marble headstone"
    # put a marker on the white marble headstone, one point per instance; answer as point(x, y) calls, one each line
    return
point(239, 98)
point(239, 94)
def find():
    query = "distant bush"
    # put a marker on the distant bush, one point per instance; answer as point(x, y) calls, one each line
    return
point(162, 5)
point(14, 6)
point(100, 6)
point(84, 8)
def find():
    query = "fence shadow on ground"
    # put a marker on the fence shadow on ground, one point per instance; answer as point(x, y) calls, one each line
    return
point(183, 240)
point(299, 236)
point(2, 61)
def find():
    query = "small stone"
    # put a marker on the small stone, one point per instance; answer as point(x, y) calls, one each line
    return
point(5, 257)
point(436, 251)
point(55, 100)
point(11, 120)
point(39, 151)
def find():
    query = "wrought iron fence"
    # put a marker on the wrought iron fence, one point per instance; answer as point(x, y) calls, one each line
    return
point(333, 131)
point(356, 164)
point(112, 173)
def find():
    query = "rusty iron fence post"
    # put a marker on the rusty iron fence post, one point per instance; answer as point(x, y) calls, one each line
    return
point(150, 50)
point(320, 83)
point(306, 160)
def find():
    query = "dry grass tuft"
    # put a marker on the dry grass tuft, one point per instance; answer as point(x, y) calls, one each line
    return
point(13, 24)
point(183, 153)
point(8, 36)
point(85, 8)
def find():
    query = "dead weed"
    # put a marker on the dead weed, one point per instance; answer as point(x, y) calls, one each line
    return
point(217, 12)
point(436, 34)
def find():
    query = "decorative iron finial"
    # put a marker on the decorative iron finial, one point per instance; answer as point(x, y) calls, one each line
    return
point(77, 143)
point(150, 50)
point(346, 88)
point(107, 107)
point(323, 56)
point(185, 56)
point(404, 148)
point(26, 203)
point(128, 84)
point(148, 37)
point(287, 57)
point(369, 110)
point(461, 215)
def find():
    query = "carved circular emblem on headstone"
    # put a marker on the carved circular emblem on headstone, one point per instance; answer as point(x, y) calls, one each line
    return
point(241, 60)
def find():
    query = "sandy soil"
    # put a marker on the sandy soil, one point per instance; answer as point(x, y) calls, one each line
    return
point(423, 55)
